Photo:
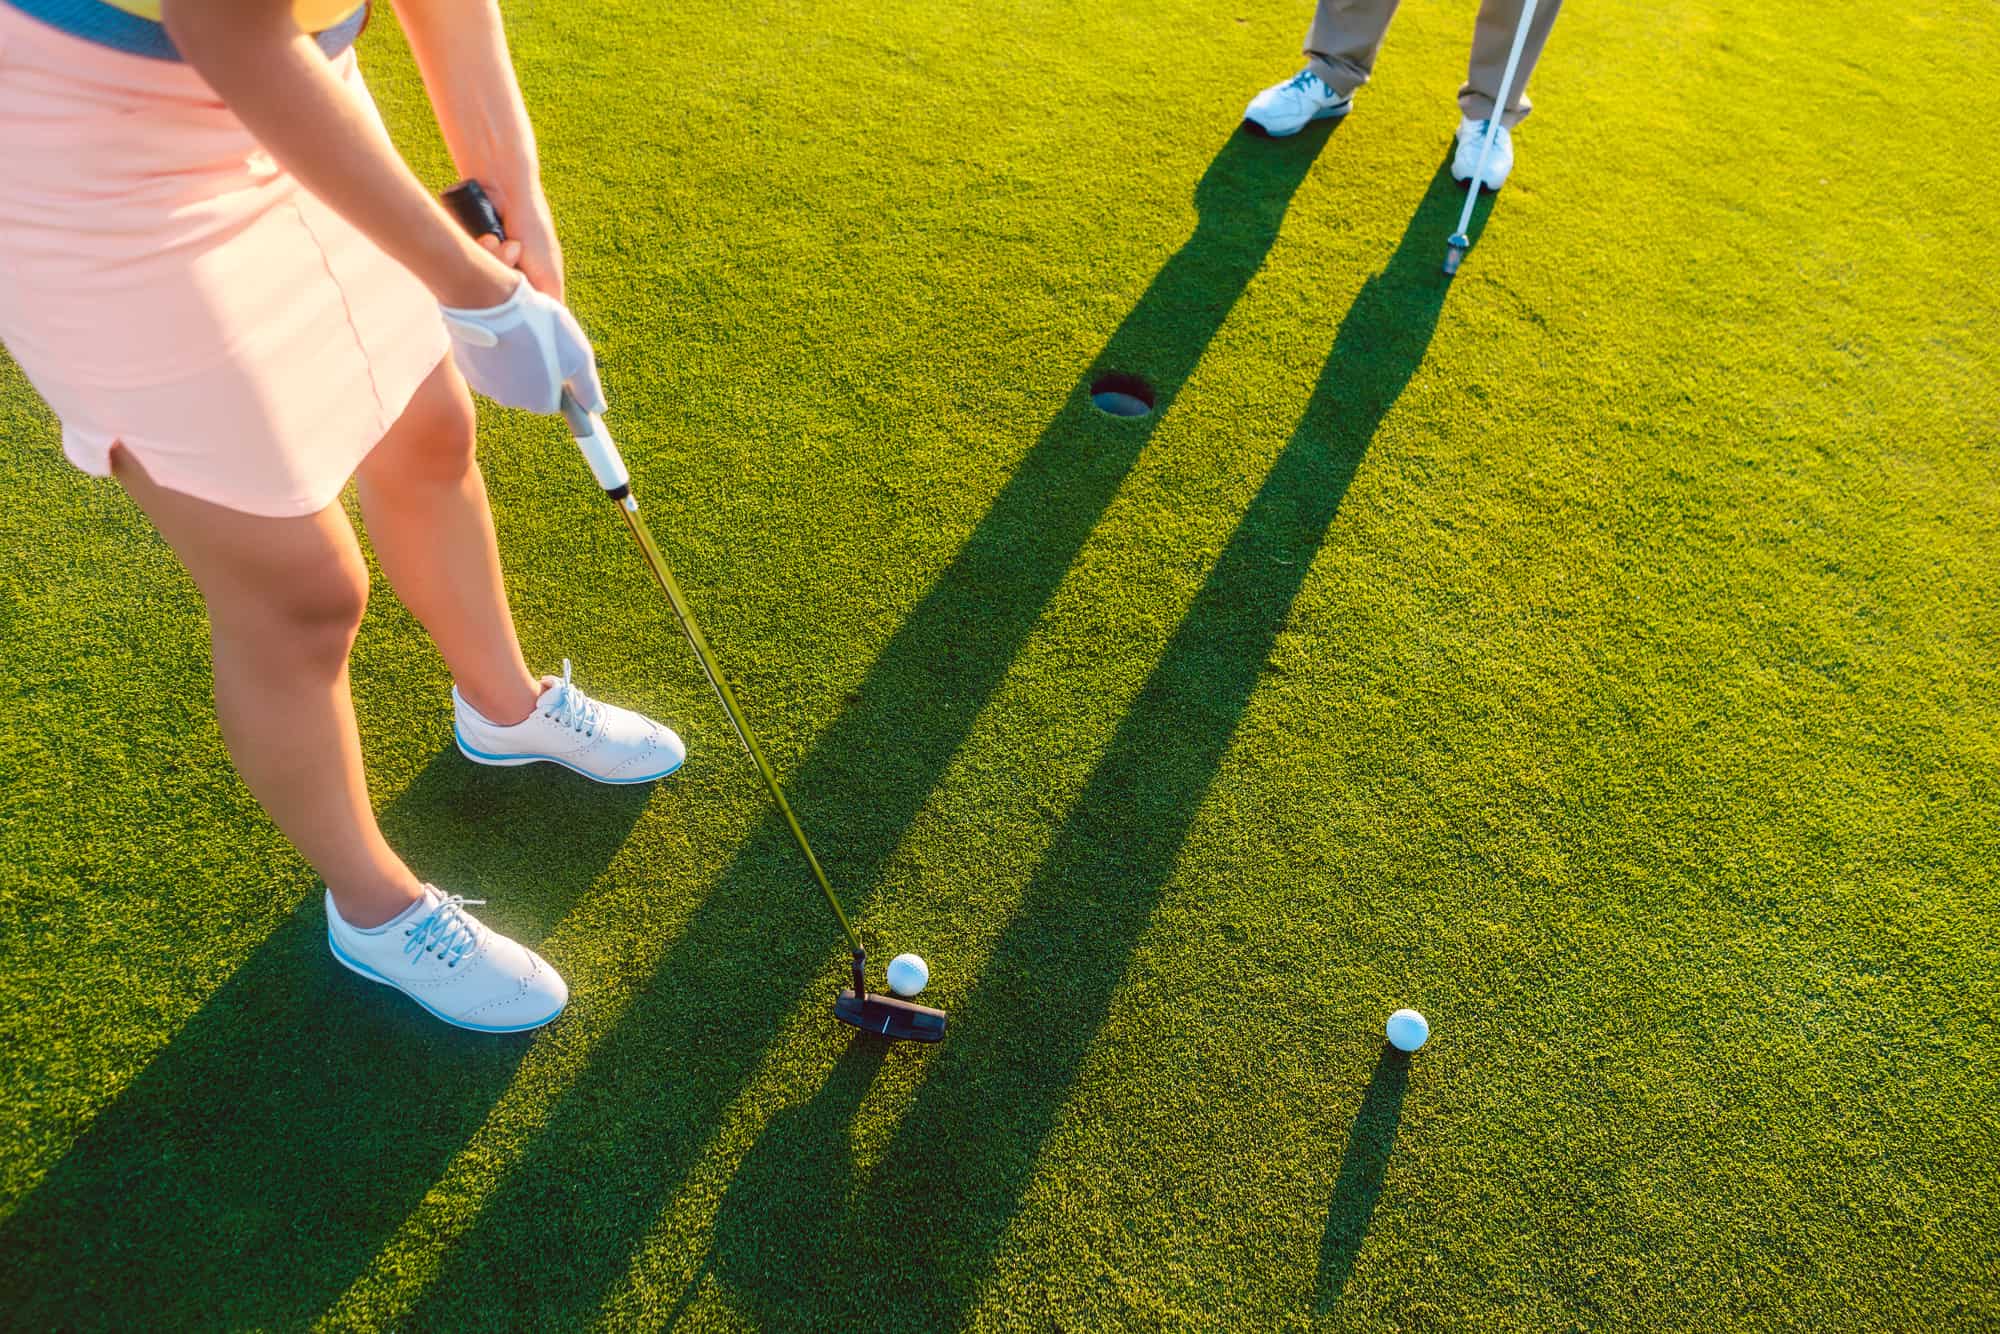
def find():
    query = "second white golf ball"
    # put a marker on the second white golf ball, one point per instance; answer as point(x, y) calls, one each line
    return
point(908, 974)
point(1407, 1030)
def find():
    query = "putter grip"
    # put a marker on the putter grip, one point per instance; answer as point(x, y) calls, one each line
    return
point(472, 208)
point(469, 204)
point(598, 449)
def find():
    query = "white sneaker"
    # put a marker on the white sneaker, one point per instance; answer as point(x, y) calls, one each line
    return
point(1464, 162)
point(569, 728)
point(1286, 108)
point(446, 960)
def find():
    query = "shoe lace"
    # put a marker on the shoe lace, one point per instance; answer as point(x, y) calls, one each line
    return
point(574, 709)
point(448, 931)
point(1310, 84)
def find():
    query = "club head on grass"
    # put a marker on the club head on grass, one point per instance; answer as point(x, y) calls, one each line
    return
point(889, 1017)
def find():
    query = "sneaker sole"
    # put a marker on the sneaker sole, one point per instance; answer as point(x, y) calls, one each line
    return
point(515, 761)
point(1331, 113)
point(363, 970)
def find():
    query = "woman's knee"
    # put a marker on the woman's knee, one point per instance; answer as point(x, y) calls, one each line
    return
point(295, 586)
point(310, 618)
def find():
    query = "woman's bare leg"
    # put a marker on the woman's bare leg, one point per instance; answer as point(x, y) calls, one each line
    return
point(425, 504)
point(285, 598)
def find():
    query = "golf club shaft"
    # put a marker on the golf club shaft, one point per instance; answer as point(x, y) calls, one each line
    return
point(469, 203)
point(628, 506)
point(1499, 113)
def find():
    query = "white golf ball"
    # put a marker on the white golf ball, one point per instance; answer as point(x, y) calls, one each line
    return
point(1407, 1030)
point(908, 975)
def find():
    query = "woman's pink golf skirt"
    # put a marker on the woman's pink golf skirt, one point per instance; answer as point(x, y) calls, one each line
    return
point(166, 286)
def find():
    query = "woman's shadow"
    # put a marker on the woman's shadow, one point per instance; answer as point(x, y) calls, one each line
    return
point(259, 1162)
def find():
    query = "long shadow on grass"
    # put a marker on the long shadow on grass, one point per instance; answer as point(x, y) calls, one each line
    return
point(622, 1139)
point(263, 1157)
point(777, 1208)
point(1369, 1143)
point(919, 1236)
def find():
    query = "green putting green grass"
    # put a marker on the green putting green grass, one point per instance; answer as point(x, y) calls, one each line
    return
point(1600, 654)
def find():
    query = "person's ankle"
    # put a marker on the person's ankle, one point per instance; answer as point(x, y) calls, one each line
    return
point(367, 906)
point(507, 707)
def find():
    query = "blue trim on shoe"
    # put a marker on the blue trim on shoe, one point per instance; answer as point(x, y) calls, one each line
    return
point(374, 976)
point(481, 757)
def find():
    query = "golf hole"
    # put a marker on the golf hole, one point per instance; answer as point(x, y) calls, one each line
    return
point(1122, 395)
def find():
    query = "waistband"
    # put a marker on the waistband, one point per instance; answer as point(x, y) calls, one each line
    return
point(107, 25)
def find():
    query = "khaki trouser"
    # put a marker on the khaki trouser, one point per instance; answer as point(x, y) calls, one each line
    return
point(1346, 34)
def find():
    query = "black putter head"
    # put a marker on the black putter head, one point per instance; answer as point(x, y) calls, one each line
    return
point(885, 1016)
point(889, 1016)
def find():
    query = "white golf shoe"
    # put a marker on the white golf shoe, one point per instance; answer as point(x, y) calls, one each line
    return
point(569, 728)
point(452, 964)
point(1464, 162)
point(1286, 108)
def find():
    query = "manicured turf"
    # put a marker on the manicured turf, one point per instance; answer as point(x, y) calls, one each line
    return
point(1599, 654)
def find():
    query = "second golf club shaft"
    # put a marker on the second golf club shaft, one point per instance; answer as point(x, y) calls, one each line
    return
point(1461, 241)
point(1497, 116)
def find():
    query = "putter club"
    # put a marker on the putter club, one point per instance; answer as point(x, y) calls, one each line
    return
point(885, 1016)
point(1461, 240)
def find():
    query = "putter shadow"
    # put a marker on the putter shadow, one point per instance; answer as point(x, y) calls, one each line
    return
point(1370, 1141)
point(920, 1234)
point(781, 1225)
point(250, 1171)
point(661, 1080)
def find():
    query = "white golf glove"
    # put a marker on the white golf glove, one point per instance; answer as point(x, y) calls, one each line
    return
point(522, 352)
